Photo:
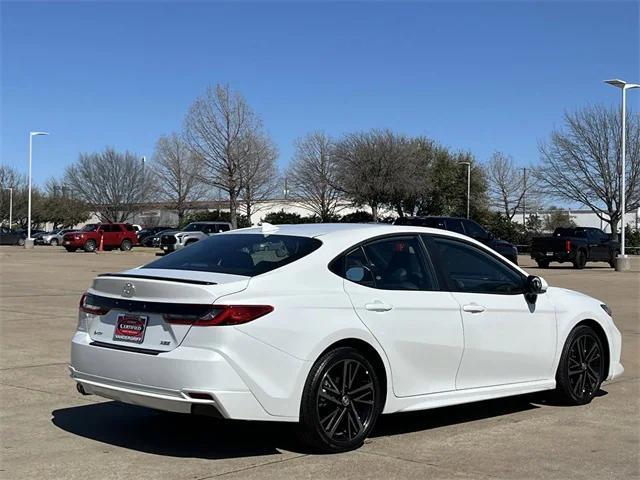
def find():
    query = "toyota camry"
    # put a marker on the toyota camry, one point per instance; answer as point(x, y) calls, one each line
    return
point(332, 325)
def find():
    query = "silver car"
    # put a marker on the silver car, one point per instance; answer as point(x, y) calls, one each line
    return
point(193, 232)
point(55, 237)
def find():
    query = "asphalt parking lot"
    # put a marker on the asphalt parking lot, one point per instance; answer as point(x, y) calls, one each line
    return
point(48, 430)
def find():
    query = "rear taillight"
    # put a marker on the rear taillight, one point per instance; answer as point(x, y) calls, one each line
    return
point(221, 315)
point(87, 306)
point(567, 246)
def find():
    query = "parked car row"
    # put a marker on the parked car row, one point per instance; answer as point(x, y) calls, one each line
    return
point(577, 245)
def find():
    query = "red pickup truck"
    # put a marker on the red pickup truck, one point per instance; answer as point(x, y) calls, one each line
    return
point(113, 235)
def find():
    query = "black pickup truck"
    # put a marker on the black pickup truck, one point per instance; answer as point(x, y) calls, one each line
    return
point(577, 245)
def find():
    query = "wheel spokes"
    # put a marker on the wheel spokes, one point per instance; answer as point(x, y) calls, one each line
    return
point(346, 400)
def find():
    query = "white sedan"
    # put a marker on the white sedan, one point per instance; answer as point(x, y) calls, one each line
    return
point(331, 325)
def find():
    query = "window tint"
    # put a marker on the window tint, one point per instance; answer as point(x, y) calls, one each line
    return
point(223, 228)
point(209, 229)
point(357, 268)
point(474, 230)
point(240, 254)
point(470, 269)
point(398, 263)
point(455, 225)
point(129, 228)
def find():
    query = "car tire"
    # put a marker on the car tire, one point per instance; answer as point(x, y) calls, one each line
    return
point(71, 249)
point(126, 245)
point(581, 368)
point(54, 242)
point(341, 401)
point(21, 242)
point(543, 263)
point(580, 261)
point(90, 246)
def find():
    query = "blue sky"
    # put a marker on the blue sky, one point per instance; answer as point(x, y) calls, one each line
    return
point(478, 76)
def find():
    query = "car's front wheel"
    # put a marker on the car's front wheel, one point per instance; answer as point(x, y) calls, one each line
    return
point(341, 401)
point(54, 242)
point(126, 245)
point(581, 369)
point(580, 261)
point(21, 242)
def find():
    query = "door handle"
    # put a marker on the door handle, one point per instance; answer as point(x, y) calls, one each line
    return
point(378, 306)
point(473, 308)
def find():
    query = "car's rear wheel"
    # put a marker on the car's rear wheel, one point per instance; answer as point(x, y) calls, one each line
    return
point(581, 260)
point(341, 401)
point(126, 245)
point(54, 242)
point(543, 263)
point(21, 242)
point(581, 368)
point(90, 246)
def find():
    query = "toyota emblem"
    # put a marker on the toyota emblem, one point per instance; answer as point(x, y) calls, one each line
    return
point(128, 290)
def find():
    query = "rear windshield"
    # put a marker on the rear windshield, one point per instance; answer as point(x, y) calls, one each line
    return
point(241, 254)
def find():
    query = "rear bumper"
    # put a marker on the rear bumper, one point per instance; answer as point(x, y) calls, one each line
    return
point(166, 380)
point(553, 257)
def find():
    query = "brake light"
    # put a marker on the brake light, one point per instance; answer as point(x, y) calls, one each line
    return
point(221, 315)
point(87, 307)
point(567, 246)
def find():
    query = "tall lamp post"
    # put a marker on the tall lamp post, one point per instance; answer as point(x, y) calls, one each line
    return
point(468, 164)
point(28, 243)
point(622, 262)
point(10, 206)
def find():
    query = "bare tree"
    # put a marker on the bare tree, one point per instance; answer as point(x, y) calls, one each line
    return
point(367, 165)
point(114, 184)
point(582, 162)
point(258, 174)
point(219, 127)
point(179, 174)
point(10, 178)
point(312, 175)
point(508, 186)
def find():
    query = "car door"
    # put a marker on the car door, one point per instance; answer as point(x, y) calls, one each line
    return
point(393, 289)
point(507, 338)
point(598, 245)
point(4, 236)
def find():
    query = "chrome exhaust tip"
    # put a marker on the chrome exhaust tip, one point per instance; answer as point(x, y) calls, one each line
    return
point(81, 389)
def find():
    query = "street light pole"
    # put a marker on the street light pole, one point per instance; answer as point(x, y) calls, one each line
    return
point(524, 198)
point(468, 164)
point(29, 241)
point(622, 264)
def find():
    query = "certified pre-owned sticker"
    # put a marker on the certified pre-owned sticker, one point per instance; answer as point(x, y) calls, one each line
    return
point(130, 328)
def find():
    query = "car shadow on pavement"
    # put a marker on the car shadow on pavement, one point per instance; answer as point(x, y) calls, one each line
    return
point(177, 435)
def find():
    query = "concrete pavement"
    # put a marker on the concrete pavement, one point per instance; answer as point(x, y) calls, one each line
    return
point(49, 431)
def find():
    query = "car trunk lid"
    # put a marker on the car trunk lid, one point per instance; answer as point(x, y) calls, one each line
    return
point(133, 305)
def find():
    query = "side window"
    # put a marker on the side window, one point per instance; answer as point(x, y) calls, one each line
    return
point(474, 230)
point(223, 228)
point(128, 227)
point(398, 263)
point(455, 225)
point(470, 269)
point(357, 268)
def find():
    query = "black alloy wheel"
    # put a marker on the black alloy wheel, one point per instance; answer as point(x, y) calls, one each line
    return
point(581, 369)
point(341, 401)
point(580, 261)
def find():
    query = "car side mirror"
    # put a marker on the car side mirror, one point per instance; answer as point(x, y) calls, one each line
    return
point(535, 285)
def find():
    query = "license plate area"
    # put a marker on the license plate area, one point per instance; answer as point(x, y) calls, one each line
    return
point(130, 328)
